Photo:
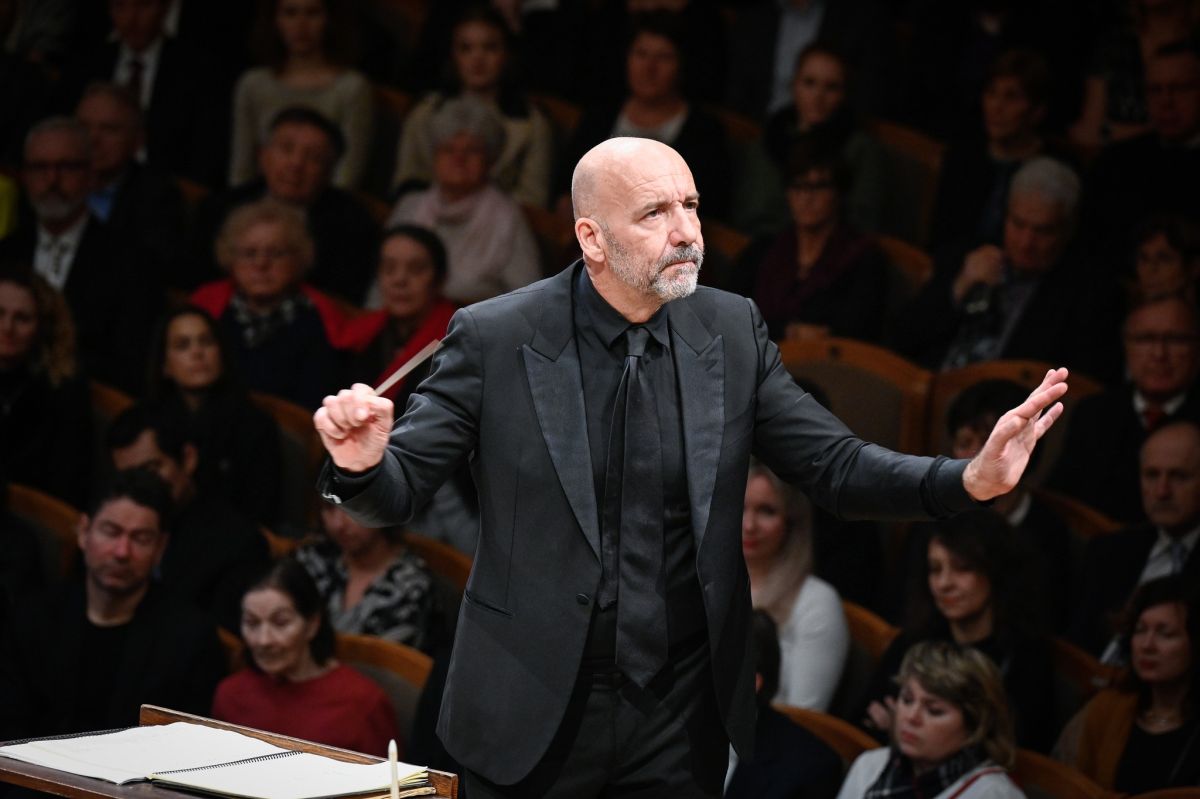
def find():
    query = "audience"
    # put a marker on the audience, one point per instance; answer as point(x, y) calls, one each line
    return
point(1166, 259)
point(952, 736)
point(112, 299)
point(212, 550)
point(293, 684)
point(789, 762)
point(820, 277)
point(807, 612)
point(45, 411)
point(237, 443)
point(87, 656)
point(482, 67)
point(283, 332)
point(1099, 460)
point(976, 593)
point(1142, 735)
point(1116, 564)
point(305, 55)
point(490, 248)
point(372, 584)
point(297, 162)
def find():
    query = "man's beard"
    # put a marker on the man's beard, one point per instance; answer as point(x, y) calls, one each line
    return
point(657, 281)
point(54, 207)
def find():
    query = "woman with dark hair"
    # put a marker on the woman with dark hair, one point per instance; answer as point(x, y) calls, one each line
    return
point(820, 277)
point(952, 737)
point(656, 107)
point(293, 684)
point(1144, 734)
point(821, 102)
point(482, 66)
point(1166, 259)
point(45, 410)
point(976, 593)
point(306, 66)
point(371, 582)
point(238, 443)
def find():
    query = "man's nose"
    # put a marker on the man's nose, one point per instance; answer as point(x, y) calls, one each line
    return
point(685, 229)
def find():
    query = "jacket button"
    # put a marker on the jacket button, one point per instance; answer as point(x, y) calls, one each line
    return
point(582, 599)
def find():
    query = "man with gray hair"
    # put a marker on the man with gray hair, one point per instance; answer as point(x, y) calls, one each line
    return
point(98, 274)
point(1004, 301)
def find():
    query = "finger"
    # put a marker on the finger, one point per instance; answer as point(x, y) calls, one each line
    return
point(1051, 390)
point(325, 426)
point(1047, 419)
point(342, 410)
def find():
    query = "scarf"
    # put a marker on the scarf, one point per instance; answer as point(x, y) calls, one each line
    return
point(899, 782)
point(257, 328)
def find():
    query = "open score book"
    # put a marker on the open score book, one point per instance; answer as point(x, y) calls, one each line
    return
point(199, 758)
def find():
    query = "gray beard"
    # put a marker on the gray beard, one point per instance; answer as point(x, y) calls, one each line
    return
point(56, 209)
point(659, 284)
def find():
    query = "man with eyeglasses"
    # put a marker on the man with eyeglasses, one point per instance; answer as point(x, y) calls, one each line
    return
point(103, 279)
point(1099, 462)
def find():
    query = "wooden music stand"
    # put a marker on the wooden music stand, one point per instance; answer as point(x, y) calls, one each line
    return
point(60, 783)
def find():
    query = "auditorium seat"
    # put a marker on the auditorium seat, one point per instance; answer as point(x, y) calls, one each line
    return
point(870, 637)
point(56, 524)
point(302, 456)
point(1042, 778)
point(841, 736)
point(399, 670)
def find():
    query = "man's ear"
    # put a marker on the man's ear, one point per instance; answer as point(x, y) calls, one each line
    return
point(191, 458)
point(590, 238)
point(81, 528)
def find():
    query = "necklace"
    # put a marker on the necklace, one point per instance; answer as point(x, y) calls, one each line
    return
point(1170, 718)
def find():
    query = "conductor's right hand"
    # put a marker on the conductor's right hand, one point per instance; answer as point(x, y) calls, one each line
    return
point(354, 427)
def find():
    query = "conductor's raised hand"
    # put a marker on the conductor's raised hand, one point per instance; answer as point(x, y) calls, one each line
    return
point(999, 465)
point(354, 427)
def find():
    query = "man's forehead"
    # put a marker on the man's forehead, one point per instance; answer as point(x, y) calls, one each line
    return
point(299, 131)
point(55, 141)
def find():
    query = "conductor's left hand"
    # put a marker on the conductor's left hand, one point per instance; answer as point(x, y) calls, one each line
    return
point(999, 465)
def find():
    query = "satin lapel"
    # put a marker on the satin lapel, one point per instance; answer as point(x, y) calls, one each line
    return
point(700, 365)
point(556, 384)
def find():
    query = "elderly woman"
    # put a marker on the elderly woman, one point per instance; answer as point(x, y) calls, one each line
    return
point(819, 277)
point(45, 413)
point(283, 333)
point(303, 44)
point(777, 546)
point(481, 51)
point(489, 245)
point(191, 376)
point(293, 684)
point(1144, 735)
point(952, 738)
point(371, 582)
point(821, 102)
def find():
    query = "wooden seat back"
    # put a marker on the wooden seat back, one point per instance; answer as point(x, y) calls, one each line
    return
point(840, 736)
point(400, 671)
point(56, 524)
point(302, 456)
point(1043, 778)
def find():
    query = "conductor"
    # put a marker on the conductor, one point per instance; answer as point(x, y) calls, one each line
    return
point(608, 415)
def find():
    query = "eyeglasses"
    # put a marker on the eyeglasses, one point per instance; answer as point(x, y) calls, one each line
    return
point(46, 167)
point(1170, 340)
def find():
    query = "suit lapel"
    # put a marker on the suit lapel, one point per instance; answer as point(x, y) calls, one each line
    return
point(556, 385)
point(700, 366)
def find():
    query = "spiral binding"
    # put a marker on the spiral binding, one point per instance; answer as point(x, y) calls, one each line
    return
point(259, 759)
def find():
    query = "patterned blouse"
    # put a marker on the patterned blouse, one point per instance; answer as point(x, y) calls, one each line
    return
point(397, 606)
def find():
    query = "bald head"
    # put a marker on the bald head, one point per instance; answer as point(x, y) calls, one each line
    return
point(599, 174)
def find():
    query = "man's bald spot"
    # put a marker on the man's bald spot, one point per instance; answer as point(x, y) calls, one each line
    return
point(1179, 429)
point(607, 160)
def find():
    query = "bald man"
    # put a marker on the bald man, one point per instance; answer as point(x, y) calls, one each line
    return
point(609, 414)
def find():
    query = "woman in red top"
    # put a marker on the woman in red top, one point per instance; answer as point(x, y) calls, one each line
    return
point(293, 685)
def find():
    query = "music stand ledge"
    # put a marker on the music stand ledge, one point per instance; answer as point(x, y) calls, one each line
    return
point(60, 783)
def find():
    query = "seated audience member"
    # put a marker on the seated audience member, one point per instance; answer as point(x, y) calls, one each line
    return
point(490, 248)
point(777, 544)
point(820, 102)
point(972, 196)
point(89, 655)
point(297, 163)
point(789, 762)
point(283, 332)
point(656, 107)
point(213, 550)
point(977, 593)
point(137, 203)
point(412, 271)
point(1099, 460)
point(1142, 735)
point(45, 410)
point(304, 49)
point(1008, 301)
point(1166, 259)
point(820, 277)
point(1116, 564)
point(237, 443)
point(952, 736)
point(1158, 171)
point(182, 91)
point(481, 52)
point(293, 684)
point(112, 300)
point(372, 584)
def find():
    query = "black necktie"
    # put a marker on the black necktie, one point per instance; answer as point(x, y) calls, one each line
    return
point(641, 595)
point(136, 75)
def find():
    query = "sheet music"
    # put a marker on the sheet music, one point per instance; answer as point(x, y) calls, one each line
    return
point(300, 776)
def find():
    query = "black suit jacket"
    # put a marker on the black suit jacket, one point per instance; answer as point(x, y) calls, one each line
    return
point(506, 391)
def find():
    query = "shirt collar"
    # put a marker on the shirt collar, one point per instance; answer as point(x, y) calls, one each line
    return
point(607, 320)
point(1140, 403)
point(1164, 542)
point(148, 57)
point(70, 237)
